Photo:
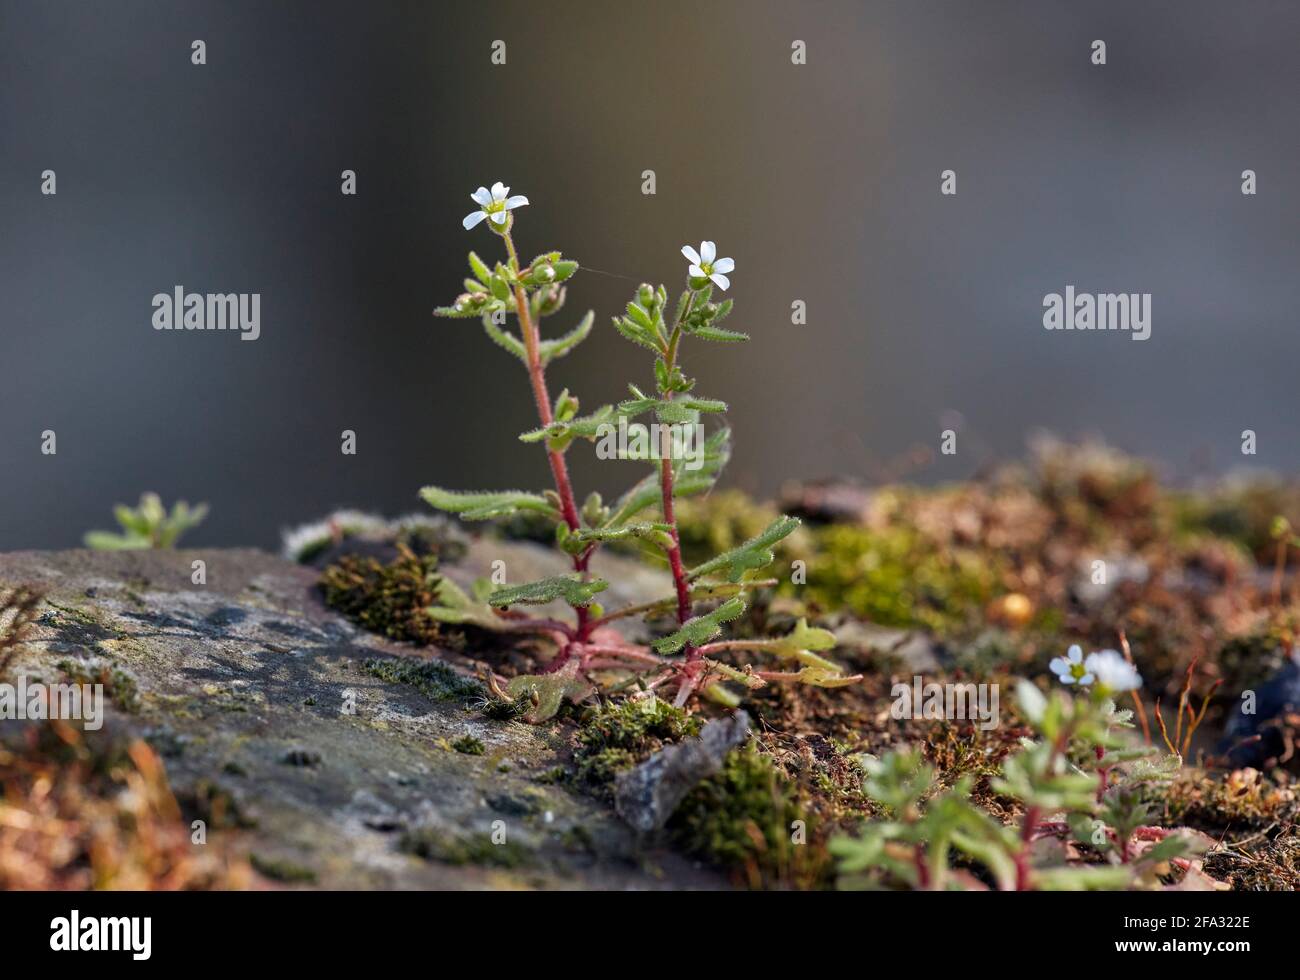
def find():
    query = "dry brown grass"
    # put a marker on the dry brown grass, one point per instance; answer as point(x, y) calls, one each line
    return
point(73, 817)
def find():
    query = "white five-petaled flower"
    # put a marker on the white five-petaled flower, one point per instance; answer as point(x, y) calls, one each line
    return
point(705, 264)
point(1112, 671)
point(494, 204)
point(1071, 668)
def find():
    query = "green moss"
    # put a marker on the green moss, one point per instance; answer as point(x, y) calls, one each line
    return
point(120, 687)
point(432, 678)
point(743, 819)
point(1248, 661)
point(473, 849)
point(618, 736)
point(281, 869)
point(469, 745)
point(551, 776)
point(388, 599)
point(894, 577)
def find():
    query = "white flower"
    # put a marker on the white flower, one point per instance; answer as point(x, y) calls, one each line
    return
point(705, 264)
point(1112, 671)
point(1071, 668)
point(494, 204)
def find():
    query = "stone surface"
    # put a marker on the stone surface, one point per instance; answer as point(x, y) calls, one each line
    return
point(647, 794)
point(243, 686)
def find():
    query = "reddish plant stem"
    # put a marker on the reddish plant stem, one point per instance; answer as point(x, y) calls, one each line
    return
point(922, 869)
point(559, 468)
point(675, 552)
point(1103, 774)
point(666, 492)
point(1027, 828)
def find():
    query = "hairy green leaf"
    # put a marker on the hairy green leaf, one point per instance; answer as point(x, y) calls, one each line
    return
point(558, 347)
point(654, 532)
point(570, 588)
point(481, 272)
point(482, 505)
point(754, 553)
point(700, 630)
point(634, 332)
point(558, 435)
point(503, 338)
point(721, 335)
point(457, 606)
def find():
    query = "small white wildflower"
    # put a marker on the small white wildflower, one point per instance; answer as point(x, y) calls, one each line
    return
point(495, 204)
point(705, 264)
point(1112, 671)
point(1071, 668)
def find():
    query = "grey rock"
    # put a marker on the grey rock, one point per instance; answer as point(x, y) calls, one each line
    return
point(647, 795)
point(917, 650)
point(235, 674)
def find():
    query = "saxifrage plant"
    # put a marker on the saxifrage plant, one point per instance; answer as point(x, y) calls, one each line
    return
point(686, 460)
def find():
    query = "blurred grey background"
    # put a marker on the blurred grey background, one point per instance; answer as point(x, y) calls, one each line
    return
point(821, 180)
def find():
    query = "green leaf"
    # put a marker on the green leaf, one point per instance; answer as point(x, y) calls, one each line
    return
point(108, 541)
point(131, 521)
point(640, 316)
point(638, 334)
point(503, 338)
point(682, 300)
point(481, 272)
point(822, 676)
point(558, 347)
point(799, 645)
point(1084, 878)
point(700, 630)
point(721, 335)
point(457, 606)
point(558, 435)
point(451, 311)
point(547, 692)
point(480, 269)
point(754, 553)
point(148, 525)
point(479, 506)
point(751, 681)
point(680, 411)
point(645, 492)
point(570, 588)
point(657, 533)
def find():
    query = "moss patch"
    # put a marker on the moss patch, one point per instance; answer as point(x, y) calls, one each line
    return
point(282, 870)
point(432, 678)
point(388, 599)
point(616, 737)
point(120, 687)
point(749, 820)
point(469, 745)
point(472, 849)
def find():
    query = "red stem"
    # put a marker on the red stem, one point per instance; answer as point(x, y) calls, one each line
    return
point(559, 468)
point(666, 492)
point(675, 552)
point(1022, 856)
